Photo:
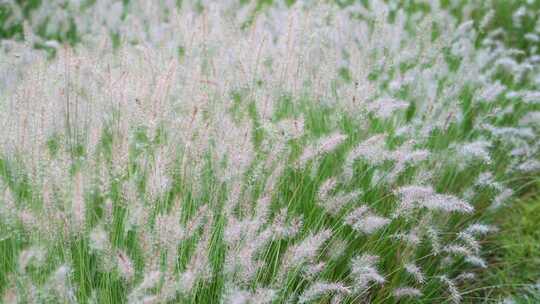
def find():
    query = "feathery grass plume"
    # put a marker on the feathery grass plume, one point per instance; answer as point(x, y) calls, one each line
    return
point(8, 209)
point(233, 148)
point(530, 97)
point(403, 292)
point(137, 213)
point(470, 250)
point(531, 118)
point(412, 237)
point(241, 261)
point(108, 211)
point(433, 235)
point(512, 135)
point(169, 289)
point(416, 272)
point(501, 198)
point(304, 252)
point(150, 280)
point(199, 267)
point(457, 249)
point(28, 220)
point(364, 221)
point(334, 204)
point(337, 248)
point(281, 229)
point(326, 188)
point(455, 295)
point(384, 107)
point(198, 221)
point(124, 265)
point(466, 276)
point(403, 156)
point(158, 180)
point(469, 240)
point(168, 230)
point(479, 229)
point(477, 150)
point(320, 147)
point(487, 179)
point(424, 196)
point(529, 166)
point(372, 149)
point(320, 289)
point(291, 128)
point(491, 91)
point(99, 240)
point(259, 296)
point(476, 261)
point(312, 271)
point(60, 286)
point(78, 204)
point(364, 272)
point(245, 239)
point(100, 244)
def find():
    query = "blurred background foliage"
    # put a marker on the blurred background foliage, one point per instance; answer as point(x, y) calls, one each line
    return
point(14, 13)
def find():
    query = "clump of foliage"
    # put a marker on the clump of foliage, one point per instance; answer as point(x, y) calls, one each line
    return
point(307, 153)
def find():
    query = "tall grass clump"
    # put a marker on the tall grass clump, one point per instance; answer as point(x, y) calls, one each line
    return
point(220, 152)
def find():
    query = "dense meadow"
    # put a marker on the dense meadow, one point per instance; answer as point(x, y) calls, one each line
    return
point(269, 151)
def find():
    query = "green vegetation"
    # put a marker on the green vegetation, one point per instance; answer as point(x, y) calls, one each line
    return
point(267, 155)
point(514, 255)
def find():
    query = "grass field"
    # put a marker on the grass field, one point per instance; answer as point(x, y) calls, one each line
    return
point(269, 152)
